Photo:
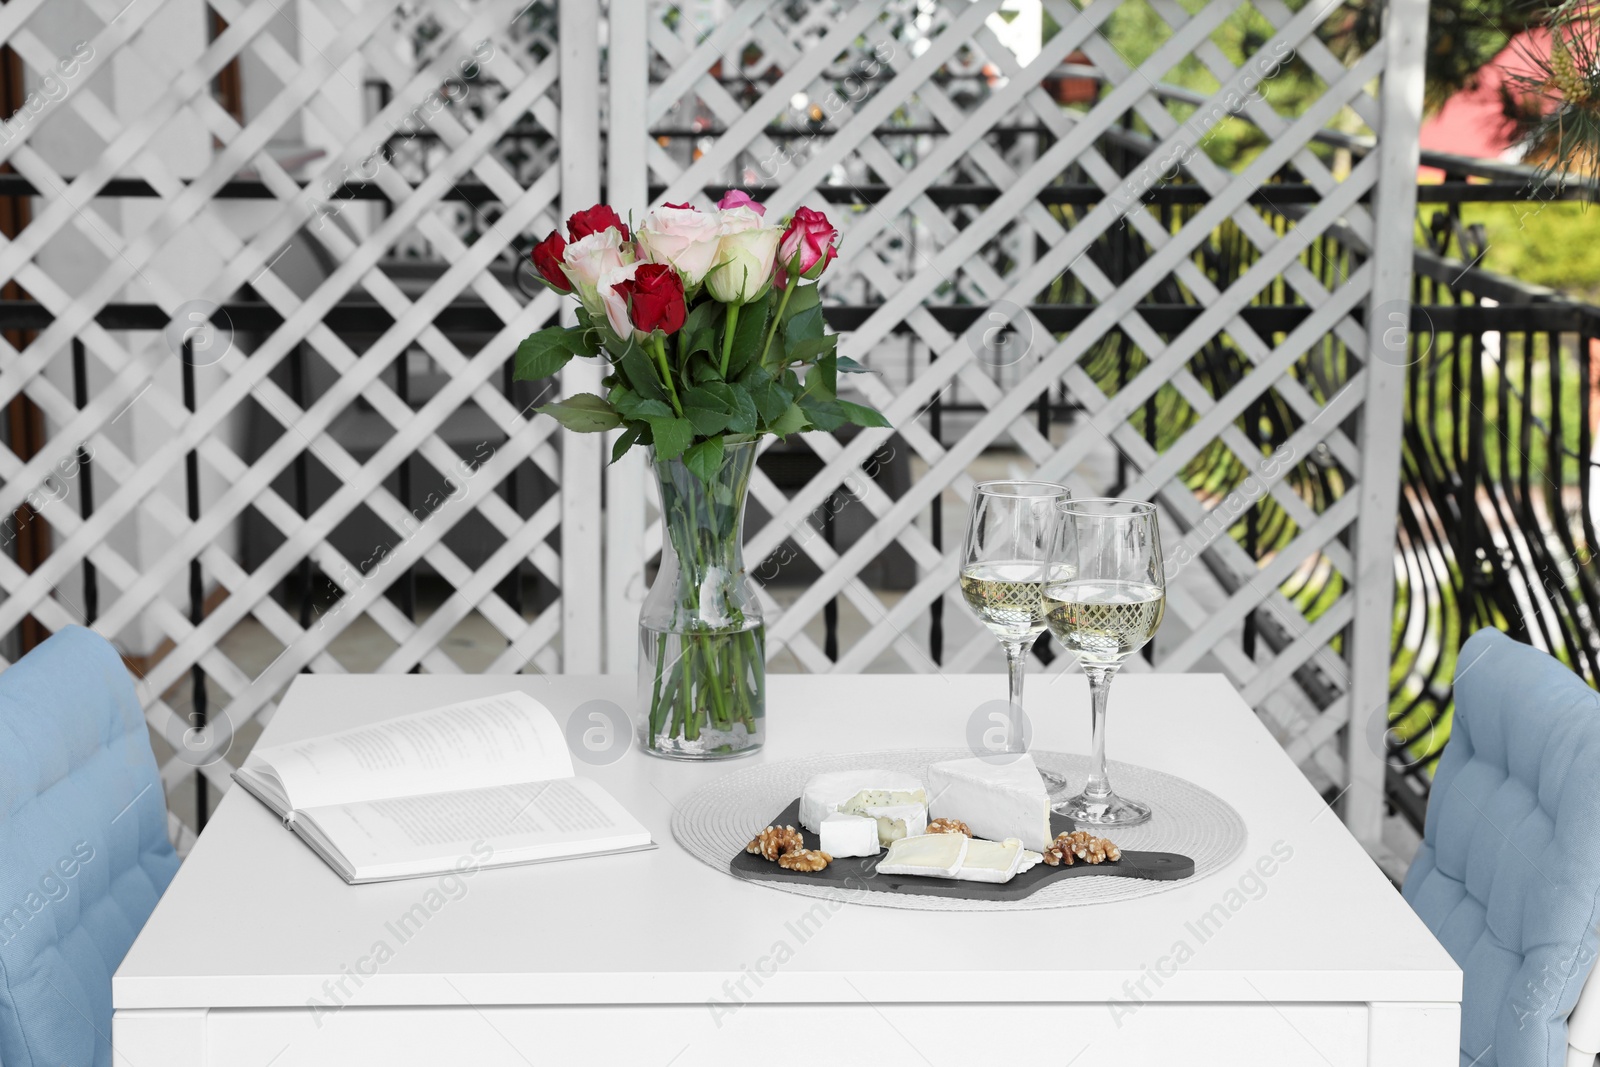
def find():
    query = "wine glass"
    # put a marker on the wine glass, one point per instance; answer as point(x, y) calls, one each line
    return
point(1011, 530)
point(1106, 609)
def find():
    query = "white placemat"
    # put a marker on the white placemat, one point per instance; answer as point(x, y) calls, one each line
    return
point(717, 820)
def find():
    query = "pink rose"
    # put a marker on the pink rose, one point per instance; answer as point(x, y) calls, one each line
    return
point(739, 198)
point(589, 257)
point(681, 237)
point(808, 246)
point(616, 303)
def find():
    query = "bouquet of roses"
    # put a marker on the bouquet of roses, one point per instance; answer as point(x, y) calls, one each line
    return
point(713, 339)
point(710, 331)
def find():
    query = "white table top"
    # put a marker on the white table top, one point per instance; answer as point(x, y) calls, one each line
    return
point(255, 919)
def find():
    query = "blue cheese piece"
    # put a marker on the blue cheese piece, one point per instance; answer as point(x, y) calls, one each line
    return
point(895, 821)
point(834, 791)
point(849, 835)
point(928, 856)
point(995, 800)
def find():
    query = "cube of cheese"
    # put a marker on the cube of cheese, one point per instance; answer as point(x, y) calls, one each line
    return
point(849, 835)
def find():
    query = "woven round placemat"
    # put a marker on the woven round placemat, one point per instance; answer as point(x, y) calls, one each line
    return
point(718, 819)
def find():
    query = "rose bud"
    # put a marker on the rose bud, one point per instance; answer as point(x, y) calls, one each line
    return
point(808, 246)
point(681, 237)
point(745, 258)
point(547, 261)
point(739, 198)
point(595, 220)
point(654, 296)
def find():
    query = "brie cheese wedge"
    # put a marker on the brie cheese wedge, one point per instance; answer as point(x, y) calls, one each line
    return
point(834, 791)
point(849, 835)
point(928, 856)
point(995, 800)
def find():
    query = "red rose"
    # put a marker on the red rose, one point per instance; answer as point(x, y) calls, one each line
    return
point(808, 245)
point(597, 219)
point(655, 298)
point(547, 260)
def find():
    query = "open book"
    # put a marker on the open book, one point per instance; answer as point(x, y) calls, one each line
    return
point(483, 783)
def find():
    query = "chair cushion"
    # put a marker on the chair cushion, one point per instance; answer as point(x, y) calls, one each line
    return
point(84, 854)
point(1508, 877)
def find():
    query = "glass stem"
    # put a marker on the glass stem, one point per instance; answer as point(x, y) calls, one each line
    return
point(1100, 675)
point(1017, 667)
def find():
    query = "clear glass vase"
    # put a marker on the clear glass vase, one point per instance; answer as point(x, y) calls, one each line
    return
point(702, 667)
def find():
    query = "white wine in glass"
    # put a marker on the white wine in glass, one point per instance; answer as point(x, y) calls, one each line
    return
point(1107, 608)
point(1011, 531)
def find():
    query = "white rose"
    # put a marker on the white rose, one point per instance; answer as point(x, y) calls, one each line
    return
point(743, 273)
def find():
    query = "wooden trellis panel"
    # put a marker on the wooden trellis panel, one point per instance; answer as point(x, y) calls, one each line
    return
point(896, 103)
point(411, 50)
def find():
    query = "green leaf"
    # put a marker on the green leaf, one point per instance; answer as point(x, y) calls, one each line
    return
point(862, 415)
point(643, 408)
point(641, 373)
point(546, 352)
point(849, 366)
point(806, 326)
point(584, 413)
point(625, 442)
point(770, 398)
point(705, 458)
point(792, 420)
point(671, 436)
point(809, 351)
point(749, 334)
point(802, 299)
point(822, 380)
point(825, 415)
point(712, 395)
point(745, 417)
point(706, 421)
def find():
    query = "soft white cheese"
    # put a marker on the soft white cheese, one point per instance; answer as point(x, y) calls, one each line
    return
point(829, 792)
point(849, 835)
point(991, 861)
point(995, 800)
point(928, 856)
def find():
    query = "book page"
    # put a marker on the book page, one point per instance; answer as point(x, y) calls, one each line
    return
point(497, 740)
point(485, 827)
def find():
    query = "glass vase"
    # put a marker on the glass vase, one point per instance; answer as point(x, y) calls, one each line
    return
point(702, 667)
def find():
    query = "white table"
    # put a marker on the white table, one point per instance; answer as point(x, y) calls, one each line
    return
point(654, 958)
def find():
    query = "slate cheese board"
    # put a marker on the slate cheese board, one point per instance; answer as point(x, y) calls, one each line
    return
point(860, 873)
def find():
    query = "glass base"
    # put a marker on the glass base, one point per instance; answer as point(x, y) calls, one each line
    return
point(1057, 786)
point(1109, 810)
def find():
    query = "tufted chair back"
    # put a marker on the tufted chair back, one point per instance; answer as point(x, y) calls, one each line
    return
point(1508, 876)
point(84, 854)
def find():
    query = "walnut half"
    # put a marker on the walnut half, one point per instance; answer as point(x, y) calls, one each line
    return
point(804, 859)
point(775, 841)
point(949, 826)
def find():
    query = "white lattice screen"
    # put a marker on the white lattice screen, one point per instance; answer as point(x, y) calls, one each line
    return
point(931, 131)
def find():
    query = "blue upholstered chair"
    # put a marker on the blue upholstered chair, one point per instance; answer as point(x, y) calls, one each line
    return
point(1508, 877)
point(84, 854)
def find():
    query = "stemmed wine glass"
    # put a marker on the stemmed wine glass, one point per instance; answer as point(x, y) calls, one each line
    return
point(1011, 530)
point(1107, 608)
